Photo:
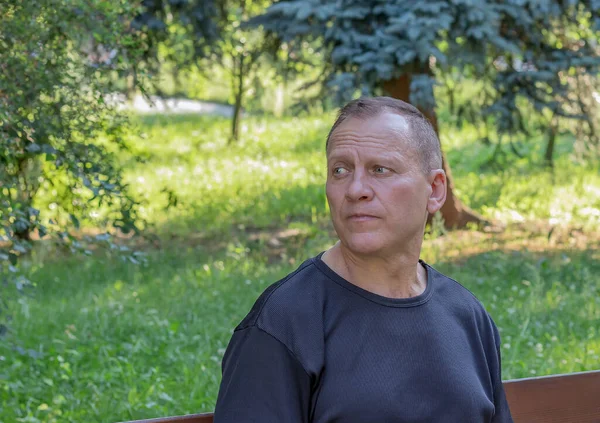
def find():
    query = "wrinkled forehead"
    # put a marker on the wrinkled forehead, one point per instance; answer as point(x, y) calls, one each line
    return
point(387, 131)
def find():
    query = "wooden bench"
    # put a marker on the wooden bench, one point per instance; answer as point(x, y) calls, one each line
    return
point(570, 398)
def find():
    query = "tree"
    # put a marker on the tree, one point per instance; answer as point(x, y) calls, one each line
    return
point(58, 135)
point(400, 47)
point(208, 33)
point(239, 51)
point(185, 29)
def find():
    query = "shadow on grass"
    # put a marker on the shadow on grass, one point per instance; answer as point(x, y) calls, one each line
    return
point(275, 209)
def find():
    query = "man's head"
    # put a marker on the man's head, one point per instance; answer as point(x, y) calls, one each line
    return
point(384, 176)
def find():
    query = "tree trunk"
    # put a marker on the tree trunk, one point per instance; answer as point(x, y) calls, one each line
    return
point(30, 171)
point(455, 214)
point(132, 83)
point(278, 104)
point(238, 93)
point(549, 154)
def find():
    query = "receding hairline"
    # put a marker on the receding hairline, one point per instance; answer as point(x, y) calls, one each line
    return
point(421, 133)
point(405, 125)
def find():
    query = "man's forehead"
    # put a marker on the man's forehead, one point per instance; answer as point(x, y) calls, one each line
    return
point(385, 130)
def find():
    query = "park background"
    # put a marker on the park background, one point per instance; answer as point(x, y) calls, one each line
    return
point(162, 162)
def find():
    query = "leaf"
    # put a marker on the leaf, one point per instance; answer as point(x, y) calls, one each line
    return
point(413, 32)
point(103, 237)
point(33, 148)
point(164, 396)
point(132, 396)
point(75, 221)
point(405, 56)
point(42, 231)
point(20, 248)
point(304, 11)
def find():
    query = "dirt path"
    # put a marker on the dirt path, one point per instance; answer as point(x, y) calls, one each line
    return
point(171, 105)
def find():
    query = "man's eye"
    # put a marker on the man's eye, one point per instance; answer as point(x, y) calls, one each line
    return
point(339, 170)
point(381, 169)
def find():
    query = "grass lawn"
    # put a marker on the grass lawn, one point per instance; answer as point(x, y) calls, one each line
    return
point(101, 340)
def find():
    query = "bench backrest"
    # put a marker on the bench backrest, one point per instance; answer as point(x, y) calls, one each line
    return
point(569, 398)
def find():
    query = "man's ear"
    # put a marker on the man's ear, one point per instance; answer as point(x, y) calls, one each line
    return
point(437, 198)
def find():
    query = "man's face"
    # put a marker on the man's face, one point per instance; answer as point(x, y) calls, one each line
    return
point(377, 191)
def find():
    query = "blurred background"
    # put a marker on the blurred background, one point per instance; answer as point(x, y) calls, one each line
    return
point(163, 161)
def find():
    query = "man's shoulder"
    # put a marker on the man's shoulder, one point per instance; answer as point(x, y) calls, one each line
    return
point(291, 311)
point(461, 303)
point(455, 294)
point(292, 297)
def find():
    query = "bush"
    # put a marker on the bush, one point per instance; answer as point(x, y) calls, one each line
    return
point(57, 133)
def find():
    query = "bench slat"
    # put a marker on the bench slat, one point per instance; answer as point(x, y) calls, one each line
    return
point(570, 398)
point(190, 418)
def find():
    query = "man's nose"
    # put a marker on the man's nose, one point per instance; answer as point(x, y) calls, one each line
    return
point(359, 188)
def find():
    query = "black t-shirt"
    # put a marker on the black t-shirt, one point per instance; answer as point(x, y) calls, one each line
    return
point(316, 348)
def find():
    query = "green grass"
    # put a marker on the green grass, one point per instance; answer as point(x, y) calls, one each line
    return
point(274, 175)
point(522, 189)
point(102, 340)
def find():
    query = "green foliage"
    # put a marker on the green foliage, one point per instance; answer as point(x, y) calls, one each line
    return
point(204, 49)
point(58, 136)
point(203, 34)
point(105, 341)
point(186, 28)
point(522, 49)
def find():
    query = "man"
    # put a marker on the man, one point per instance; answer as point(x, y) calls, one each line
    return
point(366, 331)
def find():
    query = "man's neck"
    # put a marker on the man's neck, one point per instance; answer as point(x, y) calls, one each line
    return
point(400, 276)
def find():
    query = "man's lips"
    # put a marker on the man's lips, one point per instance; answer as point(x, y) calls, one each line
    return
point(362, 217)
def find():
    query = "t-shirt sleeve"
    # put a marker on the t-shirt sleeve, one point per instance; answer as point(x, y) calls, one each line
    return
point(262, 381)
point(502, 414)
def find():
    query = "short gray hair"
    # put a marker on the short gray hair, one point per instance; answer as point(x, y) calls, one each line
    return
point(423, 135)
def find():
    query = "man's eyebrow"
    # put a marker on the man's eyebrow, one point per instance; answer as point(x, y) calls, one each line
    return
point(336, 156)
point(344, 157)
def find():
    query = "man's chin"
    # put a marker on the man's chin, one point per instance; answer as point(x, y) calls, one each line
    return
point(363, 244)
